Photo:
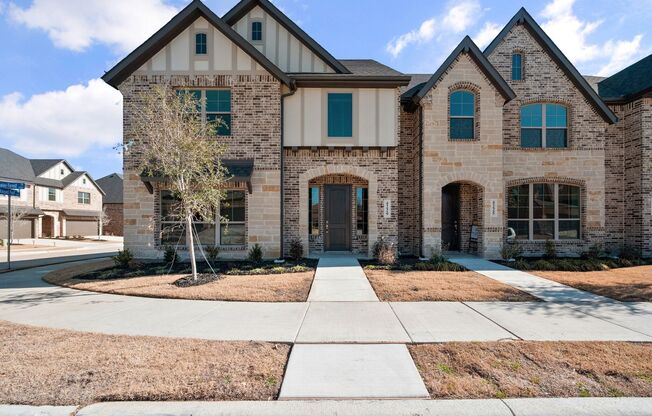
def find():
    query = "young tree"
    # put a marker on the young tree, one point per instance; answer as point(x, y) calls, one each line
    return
point(173, 142)
point(105, 220)
point(17, 214)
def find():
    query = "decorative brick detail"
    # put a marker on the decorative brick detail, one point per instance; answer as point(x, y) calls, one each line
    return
point(115, 226)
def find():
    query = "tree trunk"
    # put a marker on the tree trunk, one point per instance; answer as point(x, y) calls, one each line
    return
point(191, 246)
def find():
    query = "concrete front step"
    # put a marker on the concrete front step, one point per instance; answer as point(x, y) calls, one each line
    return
point(336, 371)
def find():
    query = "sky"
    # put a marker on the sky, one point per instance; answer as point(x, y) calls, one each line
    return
point(53, 103)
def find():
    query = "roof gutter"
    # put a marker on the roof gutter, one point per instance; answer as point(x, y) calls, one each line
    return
point(350, 81)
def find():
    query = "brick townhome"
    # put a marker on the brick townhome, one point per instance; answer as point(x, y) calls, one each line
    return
point(112, 203)
point(57, 201)
point(339, 153)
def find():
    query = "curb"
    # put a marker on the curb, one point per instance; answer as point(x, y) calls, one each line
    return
point(53, 263)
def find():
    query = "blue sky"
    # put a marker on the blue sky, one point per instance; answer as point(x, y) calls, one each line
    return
point(53, 52)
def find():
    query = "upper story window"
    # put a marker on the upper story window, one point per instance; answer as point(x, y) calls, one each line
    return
point(201, 45)
point(544, 125)
point(544, 211)
point(83, 197)
point(517, 67)
point(256, 31)
point(462, 115)
point(215, 107)
point(61, 171)
point(84, 181)
point(52, 194)
point(340, 115)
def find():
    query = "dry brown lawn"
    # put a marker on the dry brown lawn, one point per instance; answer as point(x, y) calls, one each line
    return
point(289, 287)
point(535, 369)
point(58, 367)
point(400, 286)
point(628, 284)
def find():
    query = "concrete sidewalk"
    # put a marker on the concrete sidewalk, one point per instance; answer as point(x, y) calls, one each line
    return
point(491, 407)
point(341, 279)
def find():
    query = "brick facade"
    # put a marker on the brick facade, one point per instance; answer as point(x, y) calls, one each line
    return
point(116, 223)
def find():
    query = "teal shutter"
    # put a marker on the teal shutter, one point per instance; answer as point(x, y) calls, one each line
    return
point(340, 115)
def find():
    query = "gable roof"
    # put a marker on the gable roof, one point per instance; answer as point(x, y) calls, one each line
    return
point(629, 84)
point(15, 167)
point(524, 18)
point(467, 46)
point(43, 165)
point(244, 6)
point(68, 180)
point(174, 27)
point(113, 187)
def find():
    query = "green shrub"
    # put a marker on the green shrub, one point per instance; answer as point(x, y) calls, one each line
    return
point(212, 253)
point(595, 251)
point(511, 251)
point(522, 264)
point(123, 258)
point(255, 254)
point(296, 249)
point(406, 268)
point(278, 270)
point(543, 265)
point(550, 250)
point(2, 242)
point(170, 255)
point(628, 252)
point(299, 268)
point(384, 251)
point(423, 266)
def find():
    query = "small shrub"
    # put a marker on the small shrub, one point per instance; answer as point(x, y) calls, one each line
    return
point(2, 242)
point(595, 251)
point(278, 270)
point(522, 264)
point(296, 249)
point(123, 258)
point(212, 253)
point(258, 270)
point(568, 266)
point(255, 254)
point(170, 255)
point(405, 268)
point(384, 251)
point(298, 269)
point(550, 251)
point(628, 252)
point(511, 251)
point(543, 265)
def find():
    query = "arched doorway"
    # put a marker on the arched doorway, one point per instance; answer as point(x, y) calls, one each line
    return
point(462, 216)
point(47, 226)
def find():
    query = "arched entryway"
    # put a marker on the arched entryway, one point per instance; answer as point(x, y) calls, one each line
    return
point(462, 216)
point(47, 226)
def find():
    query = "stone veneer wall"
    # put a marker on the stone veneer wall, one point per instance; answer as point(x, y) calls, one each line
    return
point(478, 161)
point(615, 183)
point(376, 166)
point(359, 242)
point(409, 183)
point(255, 134)
point(584, 159)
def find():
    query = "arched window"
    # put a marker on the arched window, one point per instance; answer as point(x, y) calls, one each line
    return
point(257, 31)
point(544, 211)
point(200, 44)
point(517, 67)
point(544, 125)
point(462, 115)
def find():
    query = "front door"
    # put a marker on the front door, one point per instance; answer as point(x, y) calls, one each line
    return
point(450, 216)
point(338, 218)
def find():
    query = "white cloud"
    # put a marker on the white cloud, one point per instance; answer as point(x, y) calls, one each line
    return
point(76, 25)
point(458, 17)
point(572, 34)
point(62, 123)
point(488, 32)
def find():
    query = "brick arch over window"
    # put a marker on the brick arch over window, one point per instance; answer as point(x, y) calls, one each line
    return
point(306, 177)
point(475, 90)
point(547, 100)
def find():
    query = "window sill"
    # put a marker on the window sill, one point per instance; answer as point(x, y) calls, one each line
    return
point(573, 241)
point(463, 140)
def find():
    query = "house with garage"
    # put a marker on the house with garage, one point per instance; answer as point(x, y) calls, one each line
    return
point(57, 201)
point(112, 204)
point(495, 146)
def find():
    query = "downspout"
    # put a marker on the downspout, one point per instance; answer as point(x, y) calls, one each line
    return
point(293, 89)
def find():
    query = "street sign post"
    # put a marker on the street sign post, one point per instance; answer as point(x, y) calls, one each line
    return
point(10, 189)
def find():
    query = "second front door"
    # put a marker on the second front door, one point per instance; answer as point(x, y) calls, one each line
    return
point(338, 218)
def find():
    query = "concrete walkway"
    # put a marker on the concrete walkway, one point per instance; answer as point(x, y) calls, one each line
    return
point(340, 279)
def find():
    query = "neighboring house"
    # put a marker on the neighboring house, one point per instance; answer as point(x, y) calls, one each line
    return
point(112, 203)
point(58, 200)
point(340, 153)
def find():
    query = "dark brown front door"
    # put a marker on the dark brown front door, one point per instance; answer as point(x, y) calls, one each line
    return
point(450, 216)
point(338, 217)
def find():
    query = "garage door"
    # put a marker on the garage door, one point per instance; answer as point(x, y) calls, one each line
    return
point(80, 227)
point(22, 229)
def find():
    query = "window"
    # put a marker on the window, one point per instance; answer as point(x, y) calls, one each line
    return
point(517, 67)
point(52, 194)
point(544, 211)
point(215, 107)
point(313, 210)
point(361, 201)
point(462, 115)
point(83, 197)
point(232, 209)
point(84, 181)
point(257, 31)
point(340, 115)
point(172, 227)
point(544, 125)
point(200, 44)
point(61, 171)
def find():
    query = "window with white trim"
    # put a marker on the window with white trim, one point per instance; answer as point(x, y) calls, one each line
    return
point(84, 197)
point(544, 211)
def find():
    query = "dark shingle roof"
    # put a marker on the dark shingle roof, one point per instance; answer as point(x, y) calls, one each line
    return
point(42, 165)
point(112, 185)
point(628, 84)
point(14, 166)
point(369, 67)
